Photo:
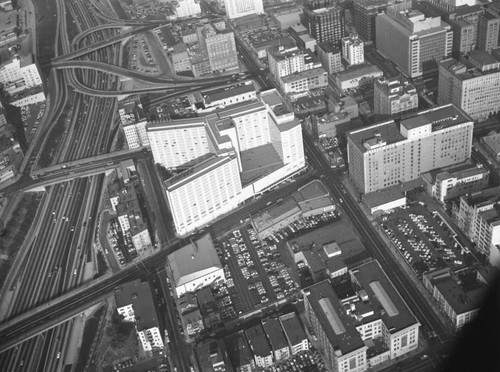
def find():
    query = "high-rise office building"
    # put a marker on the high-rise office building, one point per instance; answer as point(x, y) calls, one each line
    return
point(384, 155)
point(393, 96)
point(365, 12)
point(412, 41)
point(353, 50)
point(325, 20)
point(488, 30)
point(463, 20)
point(472, 85)
point(464, 40)
point(330, 57)
point(221, 49)
point(241, 8)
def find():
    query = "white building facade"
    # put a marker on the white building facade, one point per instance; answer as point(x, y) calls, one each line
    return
point(205, 192)
point(187, 8)
point(178, 142)
point(241, 8)
point(353, 50)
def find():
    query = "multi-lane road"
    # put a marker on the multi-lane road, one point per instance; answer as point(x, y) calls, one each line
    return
point(57, 254)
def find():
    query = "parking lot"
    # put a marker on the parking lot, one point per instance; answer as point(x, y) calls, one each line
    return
point(140, 57)
point(302, 225)
point(120, 243)
point(31, 116)
point(310, 361)
point(423, 239)
point(254, 270)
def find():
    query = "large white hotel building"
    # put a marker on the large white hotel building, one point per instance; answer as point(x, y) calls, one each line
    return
point(230, 155)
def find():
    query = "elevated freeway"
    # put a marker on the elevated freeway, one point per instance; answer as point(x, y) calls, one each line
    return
point(78, 38)
point(91, 48)
point(123, 72)
point(173, 87)
point(70, 170)
point(46, 316)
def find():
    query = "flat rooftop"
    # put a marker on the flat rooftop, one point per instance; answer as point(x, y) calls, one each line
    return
point(275, 101)
point(458, 299)
point(491, 216)
point(313, 189)
point(194, 260)
point(358, 70)
point(396, 315)
point(383, 196)
point(484, 196)
point(153, 126)
point(258, 341)
point(304, 75)
point(258, 162)
point(207, 354)
point(280, 54)
point(314, 204)
point(196, 171)
point(138, 294)
point(329, 47)
point(340, 232)
point(222, 93)
point(238, 350)
point(440, 117)
point(275, 334)
point(388, 132)
point(493, 142)
point(337, 325)
point(293, 328)
point(459, 171)
point(242, 108)
point(8, 21)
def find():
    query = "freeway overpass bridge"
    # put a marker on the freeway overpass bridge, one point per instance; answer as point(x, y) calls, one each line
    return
point(175, 87)
point(78, 38)
point(62, 172)
point(117, 70)
point(91, 48)
point(120, 71)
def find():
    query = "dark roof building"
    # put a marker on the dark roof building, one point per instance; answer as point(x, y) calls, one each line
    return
point(277, 339)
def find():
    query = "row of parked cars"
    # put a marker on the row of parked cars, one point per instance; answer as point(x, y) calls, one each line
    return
point(302, 225)
point(271, 260)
